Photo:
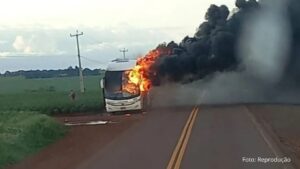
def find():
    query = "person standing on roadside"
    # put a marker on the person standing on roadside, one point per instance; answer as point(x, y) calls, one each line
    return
point(72, 95)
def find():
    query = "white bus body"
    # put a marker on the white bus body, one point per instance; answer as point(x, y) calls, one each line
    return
point(116, 99)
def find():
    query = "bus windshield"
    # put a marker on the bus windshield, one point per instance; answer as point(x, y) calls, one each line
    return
point(117, 86)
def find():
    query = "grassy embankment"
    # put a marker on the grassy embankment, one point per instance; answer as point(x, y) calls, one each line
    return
point(24, 133)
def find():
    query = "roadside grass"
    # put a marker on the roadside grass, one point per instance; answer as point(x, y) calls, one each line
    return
point(51, 102)
point(24, 133)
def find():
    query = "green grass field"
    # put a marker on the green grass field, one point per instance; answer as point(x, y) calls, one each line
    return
point(24, 127)
point(49, 95)
point(23, 133)
point(20, 84)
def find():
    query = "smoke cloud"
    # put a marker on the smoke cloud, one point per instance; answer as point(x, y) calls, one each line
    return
point(250, 55)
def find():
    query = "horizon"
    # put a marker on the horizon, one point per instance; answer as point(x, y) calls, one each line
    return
point(73, 67)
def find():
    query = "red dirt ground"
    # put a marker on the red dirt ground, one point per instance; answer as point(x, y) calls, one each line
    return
point(80, 142)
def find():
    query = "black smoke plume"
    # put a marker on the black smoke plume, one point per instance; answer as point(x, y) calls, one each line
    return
point(213, 48)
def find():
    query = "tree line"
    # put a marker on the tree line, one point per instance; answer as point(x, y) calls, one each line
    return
point(69, 72)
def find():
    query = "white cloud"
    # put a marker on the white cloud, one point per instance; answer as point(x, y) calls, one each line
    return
point(2, 42)
point(54, 47)
point(21, 45)
point(145, 13)
point(4, 54)
point(37, 42)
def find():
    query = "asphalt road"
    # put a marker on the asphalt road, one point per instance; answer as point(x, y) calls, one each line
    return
point(187, 138)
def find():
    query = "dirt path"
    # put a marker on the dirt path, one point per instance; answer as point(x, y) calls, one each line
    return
point(80, 143)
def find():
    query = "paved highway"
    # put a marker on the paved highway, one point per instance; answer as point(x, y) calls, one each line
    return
point(188, 138)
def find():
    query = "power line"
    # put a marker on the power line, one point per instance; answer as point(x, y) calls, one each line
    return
point(79, 61)
point(92, 60)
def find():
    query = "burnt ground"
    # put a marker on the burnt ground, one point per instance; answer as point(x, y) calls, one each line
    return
point(81, 142)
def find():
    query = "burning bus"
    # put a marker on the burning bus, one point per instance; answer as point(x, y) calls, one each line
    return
point(126, 84)
point(122, 87)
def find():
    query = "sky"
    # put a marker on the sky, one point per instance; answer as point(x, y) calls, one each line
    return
point(35, 34)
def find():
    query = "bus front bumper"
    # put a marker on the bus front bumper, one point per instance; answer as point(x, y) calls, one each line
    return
point(114, 108)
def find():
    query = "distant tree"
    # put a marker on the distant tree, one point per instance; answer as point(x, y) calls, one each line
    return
point(7, 73)
point(69, 72)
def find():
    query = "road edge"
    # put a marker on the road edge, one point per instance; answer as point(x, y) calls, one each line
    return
point(270, 137)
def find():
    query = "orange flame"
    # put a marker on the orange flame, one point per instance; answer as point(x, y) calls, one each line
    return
point(139, 75)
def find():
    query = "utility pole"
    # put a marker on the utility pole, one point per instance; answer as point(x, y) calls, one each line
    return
point(124, 51)
point(79, 61)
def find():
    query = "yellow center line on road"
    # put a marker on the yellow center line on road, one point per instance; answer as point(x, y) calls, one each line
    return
point(180, 148)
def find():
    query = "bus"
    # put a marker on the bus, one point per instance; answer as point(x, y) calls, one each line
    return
point(114, 86)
